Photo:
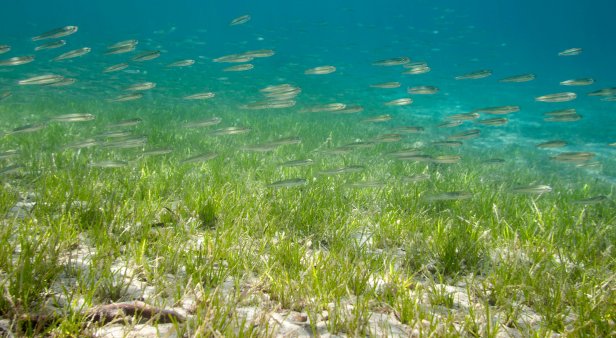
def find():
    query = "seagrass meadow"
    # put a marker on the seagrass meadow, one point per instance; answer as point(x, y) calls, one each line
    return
point(276, 169)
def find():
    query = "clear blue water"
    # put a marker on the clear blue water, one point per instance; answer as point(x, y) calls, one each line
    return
point(453, 37)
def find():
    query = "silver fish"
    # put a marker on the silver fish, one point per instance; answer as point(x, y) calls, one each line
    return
point(449, 196)
point(4, 49)
point(41, 80)
point(200, 96)
point(557, 97)
point(398, 61)
point(240, 20)
point(239, 68)
point(200, 158)
point(56, 33)
point(592, 200)
point(141, 86)
point(28, 128)
point(73, 54)
point(570, 52)
point(532, 189)
point(497, 121)
point(230, 131)
point(126, 123)
point(109, 164)
point(82, 144)
point(321, 70)
point(422, 90)
point(578, 82)
point(115, 68)
point(146, 56)
point(552, 144)
point(17, 61)
point(203, 123)
point(51, 45)
point(297, 163)
point(480, 74)
point(343, 170)
point(379, 118)
point(386, 85)
point(5, 95)
point(127, 97)
point(181, 63)
point(293, 182)
point(73, 118)
point(399, 102)
point(499, 110)
point(519, 78)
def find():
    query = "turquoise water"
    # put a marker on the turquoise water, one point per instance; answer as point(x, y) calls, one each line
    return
point(452, 38)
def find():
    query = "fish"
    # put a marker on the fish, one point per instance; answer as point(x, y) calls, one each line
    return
point(41, 80)
point(613, 144)
point(50, 45)
point(329, 107)
point(447, 143)
point(230, 131)
point(203, 123)
point(259, 53)
point(499, 110)
point(116, 67)
point(157, 152)
point(446, 159)
point(17, 61)
point(122, 47)
point(387, 138)
point(200, 158)
point(465, 135)
point(239, 68)
point(564, 118)
point(592, 200)
point(561, 112)
point(497, 121)
point(57, 33)
point(399, 102)
point(141, 86)
point(416, 158)
point(73, 118)
point(422, 90)
point(5, 95)
point(366, 184)
point(130, 42)
point(415, 178)
point(348, 109)
point(449, 196)
point(297, 163)
point(397, 61)
point(480, 74)
point(609, 99)
point(127, 142)
point(463, 116)
point(417, 70)
point(181, 63)
point(360, 144)
point(5, 49)
point(321, 70)
point(557, 97)
point(12, 169)
point(8, 154)
point(343, 170)
point(386, 85)
point(234, 58)
point(519, 78)
point(574, 157)
point(127, 97)
point(292, 182)
point(532, 189)
point(409, 129)
point(109, 164)
point(603, 92)
point(379, 118)
point(570, 52)
point(82, 144)
point(450, 124)
point(126, 123)
point(578, 82)
point(269, 104)
point(552, 144)
point(73, 54)
point(493, 161)
point(146, 56)
point(114, 134)
point(337, 151)
point(64, 82)
point(261, 148)
point(199, 96)
point(240, 20)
